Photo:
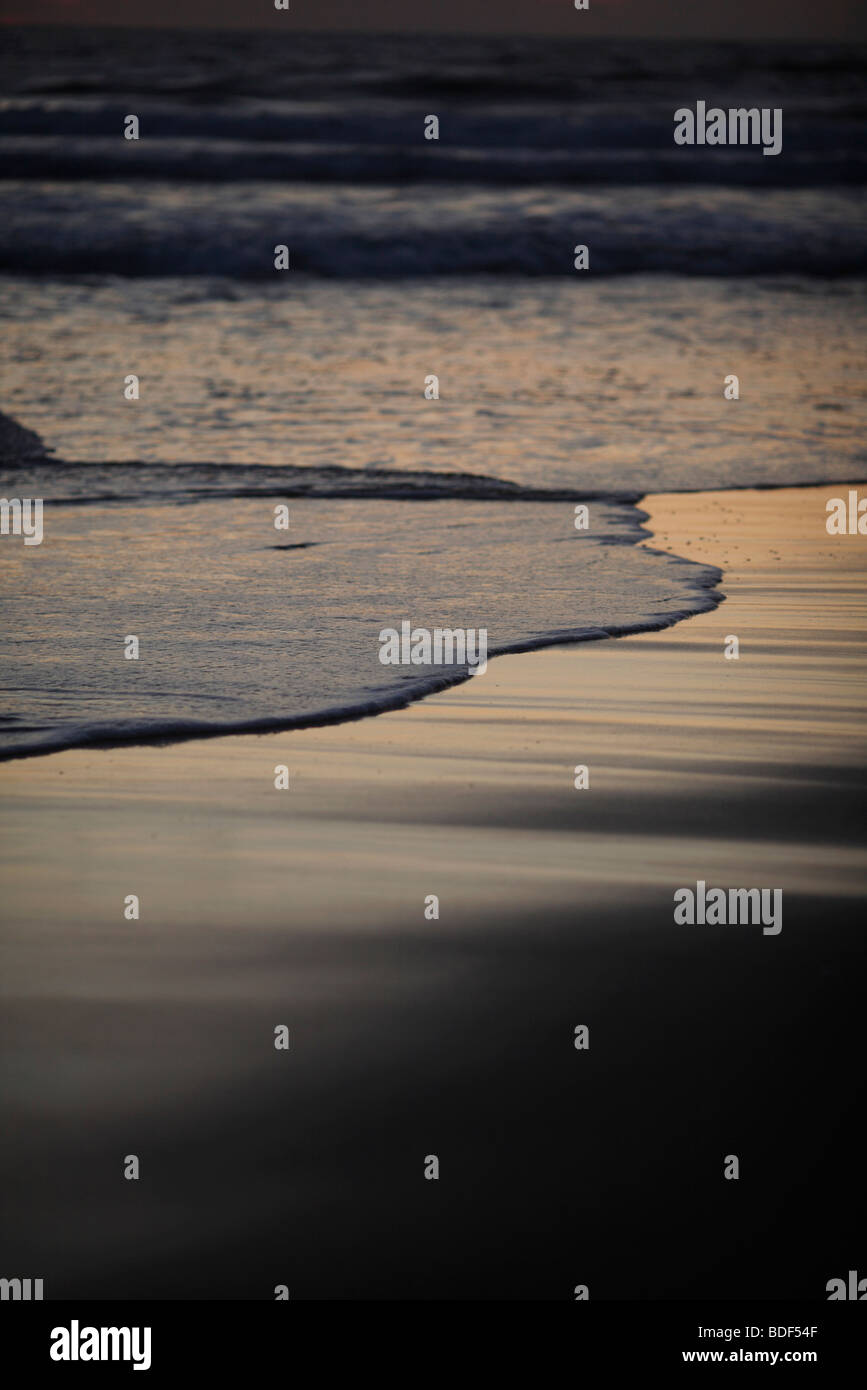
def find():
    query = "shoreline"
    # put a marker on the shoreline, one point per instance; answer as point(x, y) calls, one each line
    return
point(454, 1035)
point(678, 504)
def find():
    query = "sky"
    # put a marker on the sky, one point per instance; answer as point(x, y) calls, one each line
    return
point(733, 19)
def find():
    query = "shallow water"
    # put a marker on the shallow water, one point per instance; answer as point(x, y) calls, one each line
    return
point(409, 259)
point(604, 387)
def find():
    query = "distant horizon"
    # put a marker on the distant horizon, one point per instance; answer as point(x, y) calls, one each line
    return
point(369, 33)
point(796, 21)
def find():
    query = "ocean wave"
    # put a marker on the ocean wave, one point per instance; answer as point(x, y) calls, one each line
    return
point(347, 231)
point(29, 468)
point(214, 160)
point(209, 65)
point(90, 484)
point(240, 634)
point(18, 740)
point(50, 706)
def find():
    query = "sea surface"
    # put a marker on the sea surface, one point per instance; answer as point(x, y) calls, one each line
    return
point(409, 259)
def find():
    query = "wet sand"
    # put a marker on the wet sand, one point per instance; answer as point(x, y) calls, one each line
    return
point(411, 1037)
